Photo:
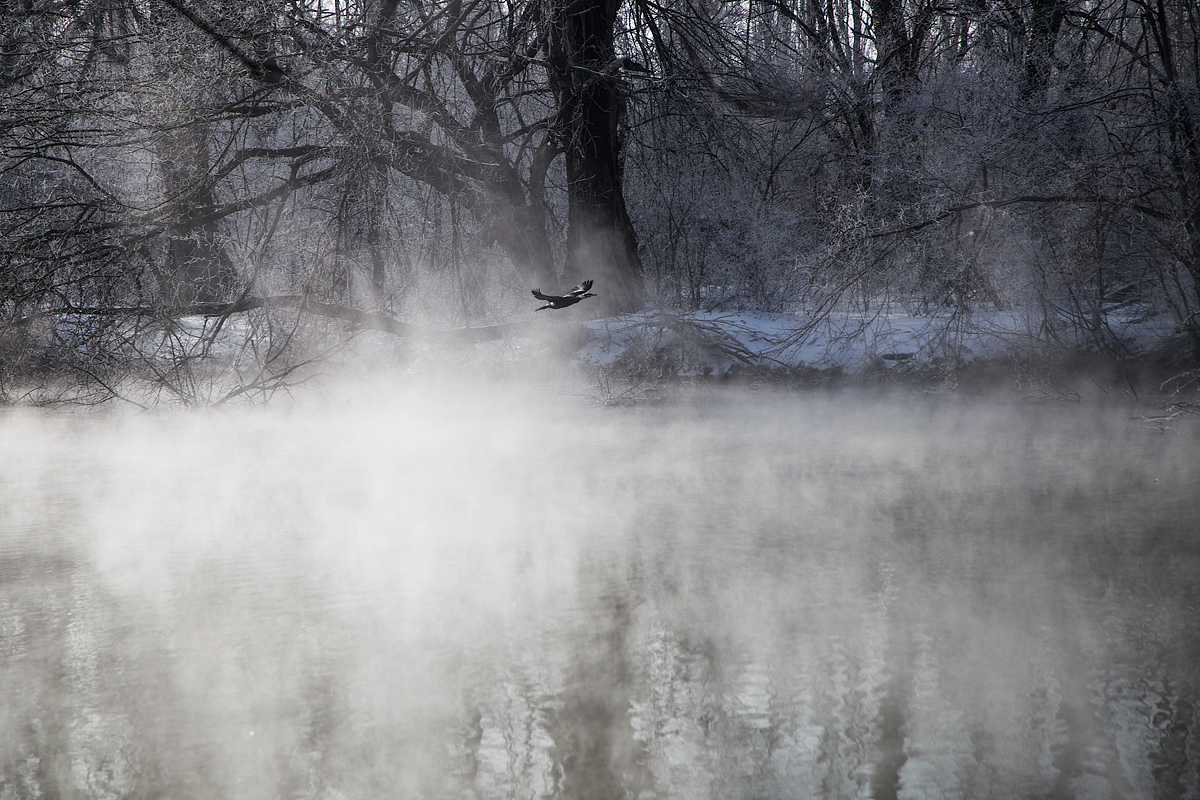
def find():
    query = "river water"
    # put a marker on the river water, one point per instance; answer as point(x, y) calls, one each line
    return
point(519, 596)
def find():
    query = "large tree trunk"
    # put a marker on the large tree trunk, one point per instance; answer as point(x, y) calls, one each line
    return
point(601, 241)
point(198, 270)
point(898, 50)
point(1045, 19)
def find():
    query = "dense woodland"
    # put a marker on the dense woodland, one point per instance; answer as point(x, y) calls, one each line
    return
point(294, 171)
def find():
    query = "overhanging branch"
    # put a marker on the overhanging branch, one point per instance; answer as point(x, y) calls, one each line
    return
point(372, 320)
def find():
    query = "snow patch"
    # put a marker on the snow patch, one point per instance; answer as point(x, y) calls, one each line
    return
point(704, 343)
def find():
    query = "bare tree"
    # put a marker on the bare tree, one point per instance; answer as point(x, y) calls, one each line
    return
point(448, 96)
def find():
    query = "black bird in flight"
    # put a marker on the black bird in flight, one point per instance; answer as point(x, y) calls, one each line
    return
point(569, 299)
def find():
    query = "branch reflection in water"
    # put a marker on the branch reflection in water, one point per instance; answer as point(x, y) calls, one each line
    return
point(774, 597)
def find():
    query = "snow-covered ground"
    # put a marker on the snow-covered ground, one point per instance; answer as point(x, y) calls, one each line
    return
point(702, 343)
point(249, 356)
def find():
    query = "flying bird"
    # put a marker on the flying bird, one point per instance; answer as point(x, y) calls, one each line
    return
point(569, 299)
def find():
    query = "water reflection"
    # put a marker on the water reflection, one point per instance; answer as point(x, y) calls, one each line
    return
point(786, 598)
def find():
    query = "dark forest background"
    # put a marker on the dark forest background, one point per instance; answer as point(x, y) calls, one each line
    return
point(179, 174)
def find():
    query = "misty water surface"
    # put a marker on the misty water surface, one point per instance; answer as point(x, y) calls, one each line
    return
point(523, 597)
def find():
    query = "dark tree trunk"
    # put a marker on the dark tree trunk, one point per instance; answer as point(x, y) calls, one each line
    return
point(198, 270)
point(1045, 19)
point(376, 205)
point(585, 76)
point(898, 48)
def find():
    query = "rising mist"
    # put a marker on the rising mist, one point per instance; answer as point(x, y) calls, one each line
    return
point(739, 596)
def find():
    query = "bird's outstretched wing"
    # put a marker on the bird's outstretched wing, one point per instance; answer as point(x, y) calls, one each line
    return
point(581, 288)
point(538, 294)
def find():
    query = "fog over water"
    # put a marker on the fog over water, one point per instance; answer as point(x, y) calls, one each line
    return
point(519, 595)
